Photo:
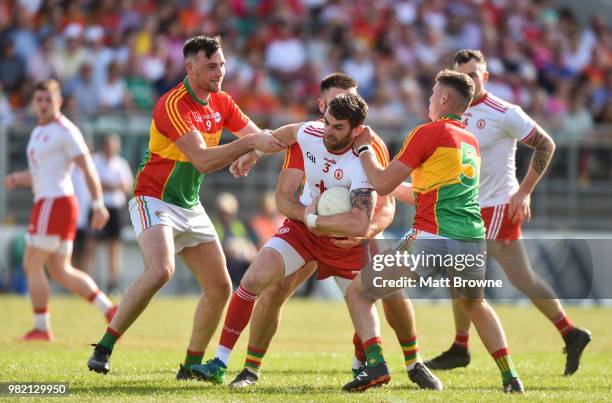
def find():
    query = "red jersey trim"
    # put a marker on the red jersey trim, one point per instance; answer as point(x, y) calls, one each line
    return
point(480, 100)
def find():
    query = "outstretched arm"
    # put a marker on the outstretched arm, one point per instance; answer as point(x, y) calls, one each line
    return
point(287, 134)
point(384, 180)
point(18, 178)
point(211, 159)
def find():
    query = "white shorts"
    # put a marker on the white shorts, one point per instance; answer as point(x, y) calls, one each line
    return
point(190, 227)
point(293, 261)
point(50, 243)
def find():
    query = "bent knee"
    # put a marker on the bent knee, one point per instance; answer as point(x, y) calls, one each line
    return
point(470, 305)
point(161, 274)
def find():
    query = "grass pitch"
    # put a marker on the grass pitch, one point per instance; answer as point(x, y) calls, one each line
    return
point(309, 360)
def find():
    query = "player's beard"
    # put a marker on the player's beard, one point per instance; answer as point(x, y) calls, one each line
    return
point(341, 145)
point(209, 86)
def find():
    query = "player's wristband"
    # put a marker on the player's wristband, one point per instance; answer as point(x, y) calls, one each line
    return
point(311, 220)
point(97, 204)
point(364, 149)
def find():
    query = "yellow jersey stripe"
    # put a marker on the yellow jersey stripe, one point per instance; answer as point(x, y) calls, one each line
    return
point(409, 138)
point(172, 111)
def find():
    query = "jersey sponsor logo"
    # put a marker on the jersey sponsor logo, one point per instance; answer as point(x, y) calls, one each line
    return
point(311, 157)
point(481, 123)
point(282, 230)
point(338, 174)
point(331, 161)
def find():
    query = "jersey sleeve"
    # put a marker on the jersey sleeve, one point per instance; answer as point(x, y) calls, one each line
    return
point(173, 117)
point(74, 143)
point(380, 151)
point(235, 119)
point(359, 179)
point(414, 151)
point(294, 157)
point(518, 124)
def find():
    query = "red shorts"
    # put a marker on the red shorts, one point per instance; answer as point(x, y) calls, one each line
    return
point(56, 216)
point(331, 259)
point(498, 224)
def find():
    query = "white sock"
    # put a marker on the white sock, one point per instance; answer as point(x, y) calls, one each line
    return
point(102, 302)
point(42, 321)
point(418, 359)
point(356, 363)
point(223, 353)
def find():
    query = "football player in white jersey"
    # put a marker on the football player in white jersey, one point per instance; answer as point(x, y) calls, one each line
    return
point(505, 205)
point(55, 145)
point(322, 154)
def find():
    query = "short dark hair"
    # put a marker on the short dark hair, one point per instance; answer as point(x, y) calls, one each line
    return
point(197, 43)
point(465, 55)
point(337, 80)
point(461, 83)
point(349, 107)
point(50, 85)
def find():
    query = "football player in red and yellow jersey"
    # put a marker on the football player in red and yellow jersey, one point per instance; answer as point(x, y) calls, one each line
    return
point(166, 212)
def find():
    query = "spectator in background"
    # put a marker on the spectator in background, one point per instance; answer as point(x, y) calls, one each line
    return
point(139, 90)
point(45, 61)
point(285, 54)
point(113, 92)
point(267, 220)
point(238, 248)
point(73, 54)
point(97, 53)
point(116, 178)
point(360, 66)
point(83, 254)
point(576, 123)
point(12, 68)
point(6, 114)
point(85, 91)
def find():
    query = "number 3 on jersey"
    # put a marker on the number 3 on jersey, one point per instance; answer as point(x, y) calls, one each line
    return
point(469, 165)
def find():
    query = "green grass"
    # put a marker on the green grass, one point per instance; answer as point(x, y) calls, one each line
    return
point(309, 360)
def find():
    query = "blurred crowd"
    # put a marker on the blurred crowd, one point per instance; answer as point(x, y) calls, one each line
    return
point(114, 55)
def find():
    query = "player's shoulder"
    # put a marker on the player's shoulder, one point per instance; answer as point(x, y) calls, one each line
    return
point(312, 128)
point(174, 94)
point(497, 105)
point(65, 125)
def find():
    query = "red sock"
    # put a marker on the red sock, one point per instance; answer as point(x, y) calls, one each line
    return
point(237, 317)
point(359, 351)
point(563, 323)
point(462, 339)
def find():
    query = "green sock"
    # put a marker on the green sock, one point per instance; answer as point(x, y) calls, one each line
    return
point(373, 350)
point(109, 339)
point(504, 363)
point(193, 358)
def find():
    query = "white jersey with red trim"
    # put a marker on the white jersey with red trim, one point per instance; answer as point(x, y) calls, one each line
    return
point(497, 125)
point(324, 169)
point(51, 152)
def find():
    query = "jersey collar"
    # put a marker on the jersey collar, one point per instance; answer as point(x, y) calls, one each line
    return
point(193, 95)
point(480, 100)
point(451, 116)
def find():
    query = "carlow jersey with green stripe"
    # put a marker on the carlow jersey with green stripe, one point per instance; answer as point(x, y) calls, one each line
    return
point(165, 172)
point(445, 159)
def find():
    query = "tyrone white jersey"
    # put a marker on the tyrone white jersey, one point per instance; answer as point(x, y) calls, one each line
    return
point(324, 169)
point(497, 125)
point(51, 152)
